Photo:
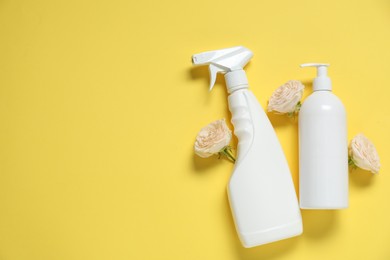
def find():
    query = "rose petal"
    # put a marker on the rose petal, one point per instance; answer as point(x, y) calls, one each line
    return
point(286, 97)
point(364, 154)
point(212, 138)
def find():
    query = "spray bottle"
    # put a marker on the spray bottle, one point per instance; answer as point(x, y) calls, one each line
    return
point(261, 191)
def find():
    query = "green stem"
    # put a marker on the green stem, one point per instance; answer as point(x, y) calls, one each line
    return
point(227, 151)
point(298, 107)
point(294, 113)
point(351, 163)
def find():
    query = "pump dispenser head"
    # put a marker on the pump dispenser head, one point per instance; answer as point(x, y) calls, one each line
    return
point(230, 61)
point(322, 81)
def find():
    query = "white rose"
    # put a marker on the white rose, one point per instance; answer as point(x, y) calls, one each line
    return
point(212, 139)
point(362, 153)
point(286, 98)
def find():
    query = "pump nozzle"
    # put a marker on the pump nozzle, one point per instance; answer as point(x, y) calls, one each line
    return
point(224, 61)
point(322, 81)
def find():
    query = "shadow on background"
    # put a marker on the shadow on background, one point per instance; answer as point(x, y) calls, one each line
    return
point(201, 164)
point(281, 120)
point(318, 224)
point(361, 178)
point(200, 72)
point(270, 251)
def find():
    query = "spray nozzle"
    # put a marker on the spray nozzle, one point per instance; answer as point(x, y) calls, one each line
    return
point(322, 81)
point(225, 61)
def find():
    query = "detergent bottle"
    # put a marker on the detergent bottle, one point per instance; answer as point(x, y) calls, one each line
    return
point(261, 191)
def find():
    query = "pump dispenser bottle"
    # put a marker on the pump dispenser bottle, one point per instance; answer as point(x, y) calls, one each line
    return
point(323, 147)
point(261, 191)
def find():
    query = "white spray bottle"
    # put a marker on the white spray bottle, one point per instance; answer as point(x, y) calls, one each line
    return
point(261, 191)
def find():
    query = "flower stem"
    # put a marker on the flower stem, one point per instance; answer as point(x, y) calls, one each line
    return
point(294, 113)
point(227, 151)
point(351, 163)
point(298, 107)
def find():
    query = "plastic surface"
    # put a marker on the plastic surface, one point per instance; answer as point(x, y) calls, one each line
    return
point(261, 191)
point(322, 81)
point(323, 152)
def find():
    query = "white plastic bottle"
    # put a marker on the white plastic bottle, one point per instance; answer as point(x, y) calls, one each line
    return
point(261, 190)
point(323, 147)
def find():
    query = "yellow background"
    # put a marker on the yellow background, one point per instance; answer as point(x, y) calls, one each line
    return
point(100, 105)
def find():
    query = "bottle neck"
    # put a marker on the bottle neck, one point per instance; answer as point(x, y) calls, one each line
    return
point(236, 80)
point(322, 83)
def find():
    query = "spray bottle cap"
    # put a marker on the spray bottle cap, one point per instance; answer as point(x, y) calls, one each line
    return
point(322, 81)
point(230, 61)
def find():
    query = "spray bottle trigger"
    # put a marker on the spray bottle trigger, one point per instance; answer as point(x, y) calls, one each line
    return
point(213, 74)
